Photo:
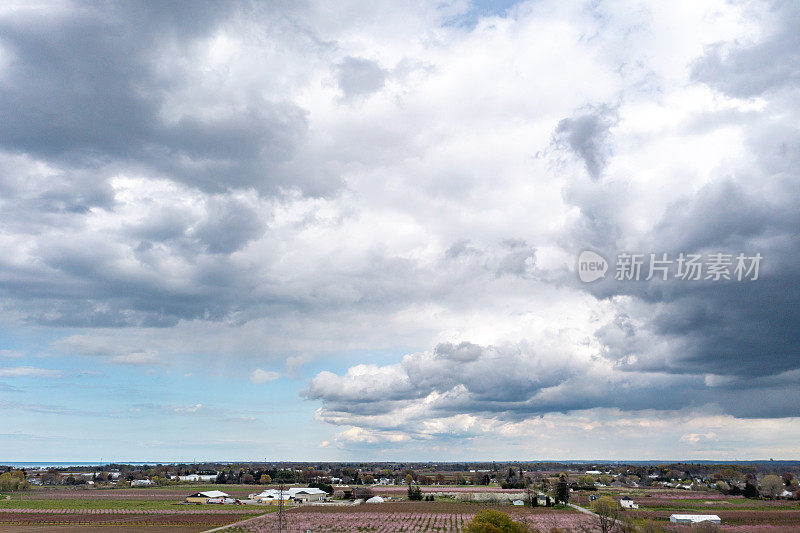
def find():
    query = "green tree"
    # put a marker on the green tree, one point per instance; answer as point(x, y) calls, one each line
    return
point(414, 493)
point(491, 521)
point(750, 489)
point(607, 512)
point(771, 486)
point(562, 489)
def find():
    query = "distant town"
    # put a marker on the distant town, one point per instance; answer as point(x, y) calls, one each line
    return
point(286, 496)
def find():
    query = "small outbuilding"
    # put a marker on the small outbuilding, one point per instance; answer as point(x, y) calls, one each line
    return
point(375, 499)
point(203, 497)
point(518, 502)
point(694, 518)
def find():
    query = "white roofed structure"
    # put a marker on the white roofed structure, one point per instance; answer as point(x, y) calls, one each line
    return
point(212, 494)
point(694, 518)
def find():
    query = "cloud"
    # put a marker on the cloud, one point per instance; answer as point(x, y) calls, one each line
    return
point(358, 78)
point(188, 409)
point(259, 376)
point(179, 186)
point(109, 350)
point(588, 135)
point(87, 87)
point(29, 372)
point(439, 391)
point(749, 69)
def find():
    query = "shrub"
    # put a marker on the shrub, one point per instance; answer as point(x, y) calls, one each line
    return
point(491, 521)
point(9, 482)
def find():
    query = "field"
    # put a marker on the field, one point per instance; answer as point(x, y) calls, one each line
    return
point(60, 509)
point(408, 517)
point(736, 512)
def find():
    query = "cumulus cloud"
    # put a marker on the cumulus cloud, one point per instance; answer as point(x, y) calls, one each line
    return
point(456, 388)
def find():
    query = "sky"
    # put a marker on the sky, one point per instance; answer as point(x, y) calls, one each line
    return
point(350, 230)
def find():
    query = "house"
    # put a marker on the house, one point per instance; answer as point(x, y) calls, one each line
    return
point(694, 518)
point(142, 483)
point(542, 500)
point(627, 503)
point(203, 497)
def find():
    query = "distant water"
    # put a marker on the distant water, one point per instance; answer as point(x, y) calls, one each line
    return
point(63, 464)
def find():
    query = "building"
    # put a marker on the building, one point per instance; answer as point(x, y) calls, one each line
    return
point(305, 495)
point(272, 497)
point(291, 495)
point(199, 478)
point(203, 497)
point(142, 483)
point(694, 518)
point(518, 502)
point(375, 499)
point(627, 503)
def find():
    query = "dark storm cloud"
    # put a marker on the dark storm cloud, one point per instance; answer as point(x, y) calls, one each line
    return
point(747, 328)
point(86, 89)
point(587, 135)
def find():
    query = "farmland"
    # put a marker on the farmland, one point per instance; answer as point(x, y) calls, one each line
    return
point(111, 510)
point(406, 517)
point(736, 512)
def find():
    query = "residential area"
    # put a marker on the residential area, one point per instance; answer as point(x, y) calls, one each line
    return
point(404, 496)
